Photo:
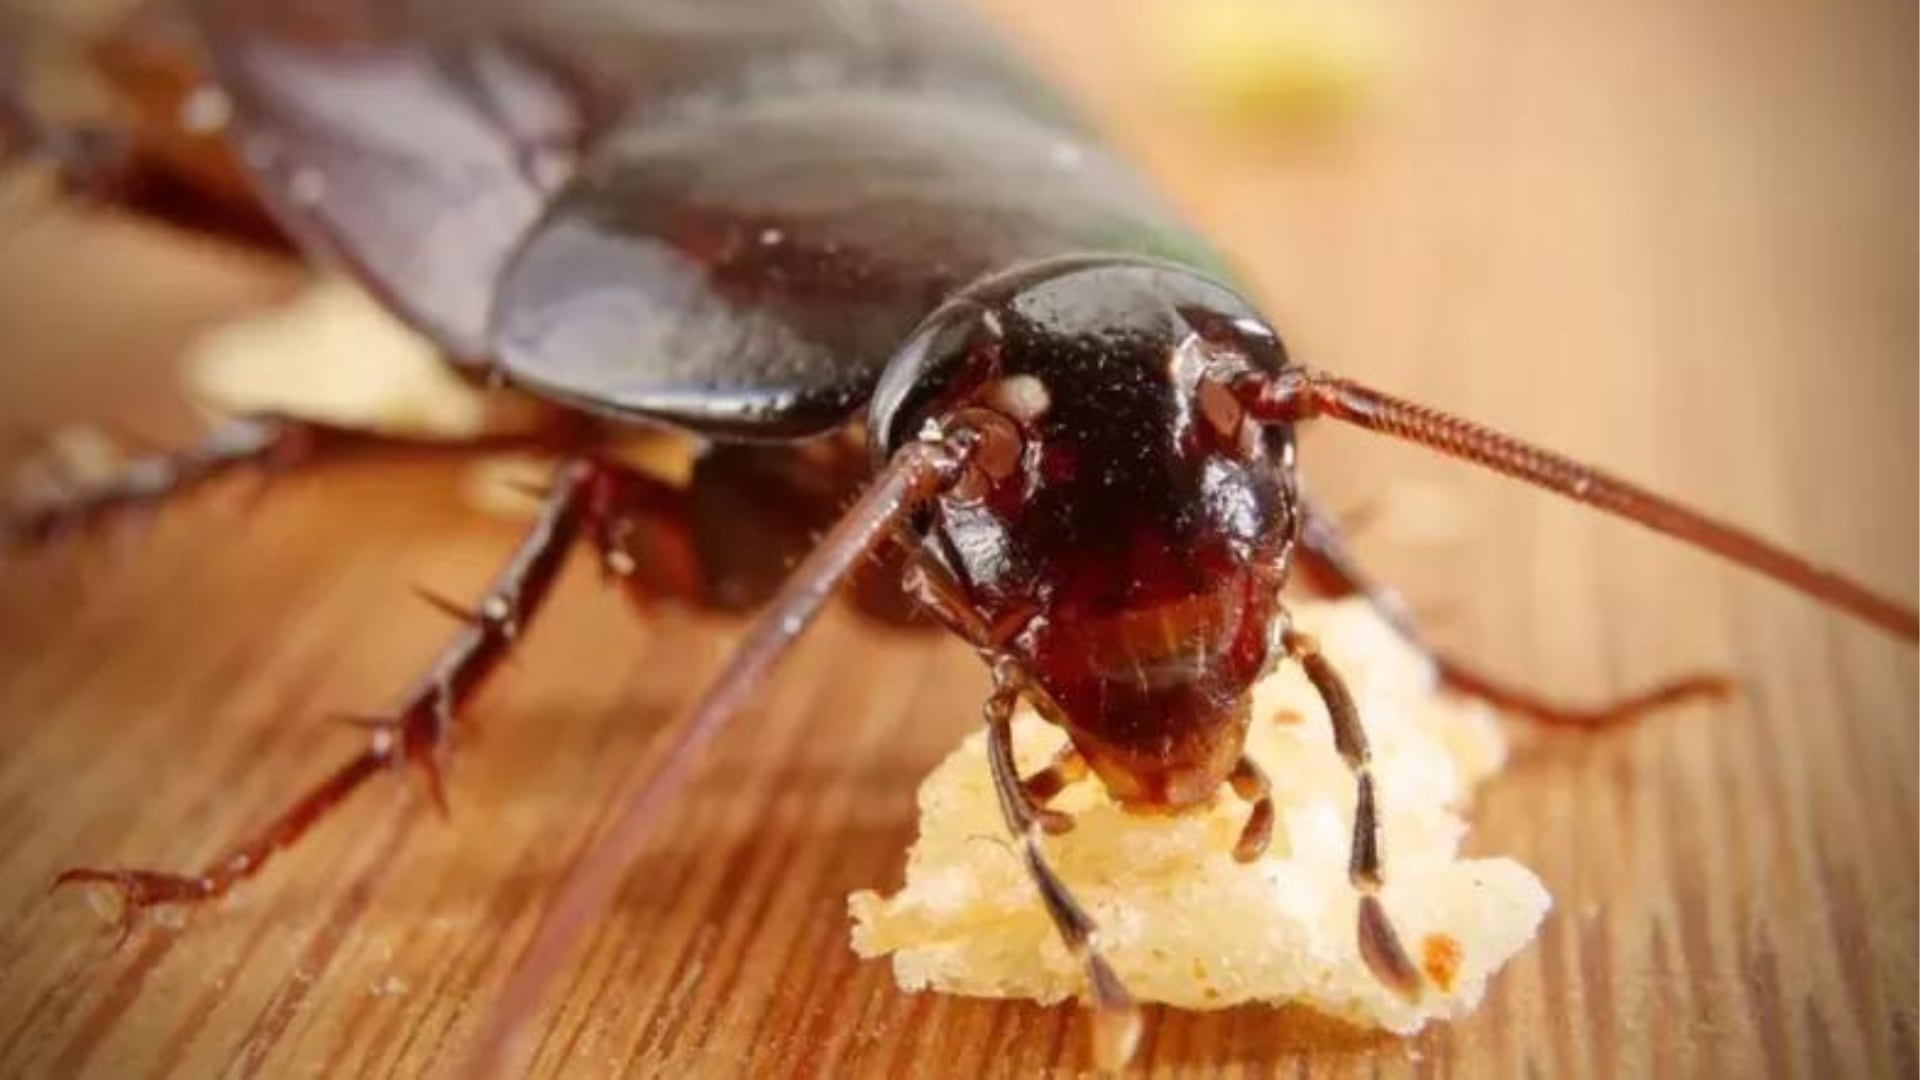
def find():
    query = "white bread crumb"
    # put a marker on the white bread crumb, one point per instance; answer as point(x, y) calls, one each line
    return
point(1185, 924)
point(334, 356)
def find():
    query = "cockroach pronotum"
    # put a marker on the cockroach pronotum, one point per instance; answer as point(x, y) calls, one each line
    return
point(785, 226)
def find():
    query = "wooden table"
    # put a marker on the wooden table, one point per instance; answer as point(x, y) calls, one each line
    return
point(1678, 239)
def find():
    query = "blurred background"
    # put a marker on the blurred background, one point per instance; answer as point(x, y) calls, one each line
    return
point(1678, 240)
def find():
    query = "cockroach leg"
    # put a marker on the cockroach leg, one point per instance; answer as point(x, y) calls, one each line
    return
point(1250, 782)
point(934, 588)
point(585, 494)
point(756, 509)
point(92, 163)
point(148, 480)
point(267, 445)
point(1116, 1019)
point(1329, 566)
point(930, 585)
point(1067, 768)
point(1034, 792)
point(86, 159)
point(1380, 945)
point(162, 154)
point(916, 475)
point(1295, 394)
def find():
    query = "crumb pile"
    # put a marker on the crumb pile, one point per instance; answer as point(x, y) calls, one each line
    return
point(333, 355)
point(1185, 924)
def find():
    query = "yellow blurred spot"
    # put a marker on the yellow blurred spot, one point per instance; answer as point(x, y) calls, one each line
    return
point(334, 355)
point(1284, 62)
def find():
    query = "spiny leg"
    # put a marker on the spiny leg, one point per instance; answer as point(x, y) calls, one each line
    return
point(936, 591)
point(87, 160)
point(267, 444)
point(148, 480)
point(1023, 806)
point(160, 152)
point(1379, 943)
point(1250, 782)
point(585, 497)
point(1066, 768)
point(1331, 568)
point(1116, 1019)
point(918, 474)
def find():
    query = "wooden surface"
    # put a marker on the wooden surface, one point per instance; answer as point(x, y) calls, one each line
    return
point(1675, 238)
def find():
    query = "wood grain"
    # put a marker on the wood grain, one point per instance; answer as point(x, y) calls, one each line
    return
point(1678, 239)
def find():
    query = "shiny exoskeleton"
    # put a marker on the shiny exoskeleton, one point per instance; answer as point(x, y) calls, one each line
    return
point(765, 222)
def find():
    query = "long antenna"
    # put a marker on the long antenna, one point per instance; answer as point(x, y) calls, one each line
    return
point(1301, 394)
point(915, 475)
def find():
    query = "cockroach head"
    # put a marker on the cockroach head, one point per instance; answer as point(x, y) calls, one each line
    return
point(1122, 527)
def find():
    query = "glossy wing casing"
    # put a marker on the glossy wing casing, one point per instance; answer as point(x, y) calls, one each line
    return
point(724, 215)
point(371, 151)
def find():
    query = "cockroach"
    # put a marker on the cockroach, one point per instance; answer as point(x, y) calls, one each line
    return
point(786, 226)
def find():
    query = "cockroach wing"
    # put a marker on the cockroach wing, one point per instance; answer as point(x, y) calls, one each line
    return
point(721, 214)
point(370, 147)
point(416, 140)
point(747, 267)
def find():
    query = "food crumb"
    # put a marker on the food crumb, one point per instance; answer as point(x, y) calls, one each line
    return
point(334, 356)
point(1184, 923)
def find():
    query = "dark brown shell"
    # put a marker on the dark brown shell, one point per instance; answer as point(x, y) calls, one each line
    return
point(725, 216)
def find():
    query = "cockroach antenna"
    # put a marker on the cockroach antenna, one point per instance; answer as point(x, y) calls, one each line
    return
point(1299, 394)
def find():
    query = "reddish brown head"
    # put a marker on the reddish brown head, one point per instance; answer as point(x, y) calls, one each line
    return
point(1127, 530)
